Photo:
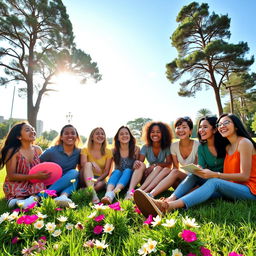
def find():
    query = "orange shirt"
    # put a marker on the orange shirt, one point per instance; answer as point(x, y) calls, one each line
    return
point(232, 165)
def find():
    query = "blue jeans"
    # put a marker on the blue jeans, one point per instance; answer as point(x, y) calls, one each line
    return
point(210, 188)
point(120, 177)
point(63, 185)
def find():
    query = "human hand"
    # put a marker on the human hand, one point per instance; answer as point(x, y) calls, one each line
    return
point(205, 173)
point(136, 164)
point(96, 167)
point(42, 175)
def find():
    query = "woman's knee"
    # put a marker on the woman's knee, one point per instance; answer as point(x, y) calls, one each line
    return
point(165, 171)
point(73, 174)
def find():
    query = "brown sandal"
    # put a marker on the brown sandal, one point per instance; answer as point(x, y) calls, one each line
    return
point(145, 204)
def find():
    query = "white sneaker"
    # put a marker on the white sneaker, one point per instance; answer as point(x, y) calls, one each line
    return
point(26, 202)
point(63, 201)
point(11, 203)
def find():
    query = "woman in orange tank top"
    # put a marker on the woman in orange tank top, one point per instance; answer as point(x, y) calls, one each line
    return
point(238, 181)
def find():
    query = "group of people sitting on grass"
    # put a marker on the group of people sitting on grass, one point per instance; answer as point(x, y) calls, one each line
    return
point(224, 153)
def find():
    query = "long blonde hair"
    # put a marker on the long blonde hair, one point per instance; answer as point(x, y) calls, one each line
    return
point(90, 141)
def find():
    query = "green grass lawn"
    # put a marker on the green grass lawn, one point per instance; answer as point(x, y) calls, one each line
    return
point(224, 227)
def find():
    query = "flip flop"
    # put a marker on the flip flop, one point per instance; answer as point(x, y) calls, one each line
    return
point(145, 204)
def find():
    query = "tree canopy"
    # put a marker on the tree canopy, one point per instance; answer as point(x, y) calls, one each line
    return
point(37, 44)
point(136, 126)
point(205, 58)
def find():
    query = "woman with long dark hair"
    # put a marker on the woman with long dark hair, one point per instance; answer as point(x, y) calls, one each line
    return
point(125, 153)
point(19, 155)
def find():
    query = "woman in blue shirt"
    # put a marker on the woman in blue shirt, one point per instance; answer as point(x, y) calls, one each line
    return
point(66, 154)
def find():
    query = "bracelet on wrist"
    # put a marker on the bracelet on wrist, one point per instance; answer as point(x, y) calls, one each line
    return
point(219, 175)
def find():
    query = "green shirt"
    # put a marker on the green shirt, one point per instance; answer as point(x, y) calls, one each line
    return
point(207, 160)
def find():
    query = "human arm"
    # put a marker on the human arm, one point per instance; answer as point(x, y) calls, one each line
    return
point(11, 171)
point(137, 162)
point(106, 171)
point(246, 149)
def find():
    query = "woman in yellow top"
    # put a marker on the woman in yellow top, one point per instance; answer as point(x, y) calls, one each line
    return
point(96, 161)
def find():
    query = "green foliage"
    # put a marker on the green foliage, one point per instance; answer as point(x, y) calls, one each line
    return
point(50, 135)
point(82, 196)
point(253, 126)
point(136, 126)
point(42, 142)
point(38, 43)
point(204, 57)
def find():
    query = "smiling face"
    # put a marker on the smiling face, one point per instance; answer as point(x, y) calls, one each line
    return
point(155, 134)
point(27, 133)
point(124, 135)
point(205, 130)
point(226, 127)
point(99, 136)
point(183, 131)
point(69, 136)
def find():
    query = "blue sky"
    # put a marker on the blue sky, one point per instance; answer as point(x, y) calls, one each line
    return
point(130, 41)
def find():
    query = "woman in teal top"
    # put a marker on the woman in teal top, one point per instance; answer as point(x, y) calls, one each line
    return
point(211, 154)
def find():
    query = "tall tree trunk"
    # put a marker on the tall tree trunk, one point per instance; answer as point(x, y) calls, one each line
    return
point(231, 99)
point(32, 116)
point(218, 100)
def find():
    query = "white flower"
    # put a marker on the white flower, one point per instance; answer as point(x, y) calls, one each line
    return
point(41, 216)
point(156, 221)
point(20, 204)
point(56, 233)
point(62, 219)
point(50, 226)
point(56, 246)
point(191, 223)
point(169, 223)
point(143, 250)
point(176, 252)
point(100, 244)
point(92, 215)
point(100, 207)
point(69, 226)
point(73, 180)
point(39, 224)
point(108, 228)
point(13, 216)
point(79, 226)
point(151, 245)
point(72, 205)
point(4, 216)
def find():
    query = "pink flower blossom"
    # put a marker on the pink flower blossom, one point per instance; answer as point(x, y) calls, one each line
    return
point(89, 243)
point(27, 219)
point(191, 254)
point(58, 209)
point(98, 229)
point(42, 238)
point(188, 236)
point(50, 192)
point(31, 206)
point(149, 220)
point(99, 218)
point(116, 206)
point(234, 254)
point(205, 252)
point(132, 192)
point(15, 240)
point(136, 209)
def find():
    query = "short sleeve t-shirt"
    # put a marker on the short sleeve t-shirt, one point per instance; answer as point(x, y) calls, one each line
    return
point(175, 150)
point(150, 156)
point(57, 155)
point(207, 160)
point(101, 162)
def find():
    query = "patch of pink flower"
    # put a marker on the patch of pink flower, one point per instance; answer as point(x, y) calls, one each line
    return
point(31, 206)
point(234, 254)
point(50, 192)
point(15, 240)
point(116, 206)
point(99, 218)
point(98, 229)
point(58, 209)
point(188, 236)
point(149, 220)
point(205, 252)
point(136, 209)
point(191, 254)
point(27, 219)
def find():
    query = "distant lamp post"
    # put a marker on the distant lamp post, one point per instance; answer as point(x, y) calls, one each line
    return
point(69, 117)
